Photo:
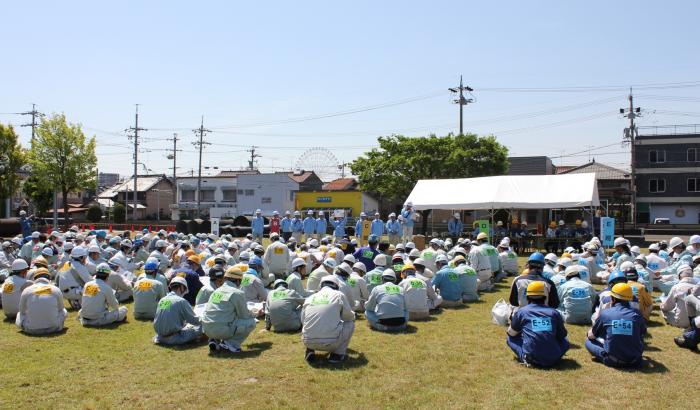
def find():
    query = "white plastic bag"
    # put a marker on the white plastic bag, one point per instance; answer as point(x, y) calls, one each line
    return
point(500, 313)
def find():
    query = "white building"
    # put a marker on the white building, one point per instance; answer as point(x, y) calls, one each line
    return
point(219, 195)
point(273, 191)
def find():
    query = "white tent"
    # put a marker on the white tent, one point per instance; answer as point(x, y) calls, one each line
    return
point(507, 192)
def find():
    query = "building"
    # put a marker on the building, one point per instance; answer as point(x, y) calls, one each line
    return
point(340, 194)
point(273, 191)
point(613, 187)
point(106, 180)
point(667, 161)
point(219, 195)
point(530, 166)
point(154, 196)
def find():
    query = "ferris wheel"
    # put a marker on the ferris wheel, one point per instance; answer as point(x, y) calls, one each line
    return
point(321, 161)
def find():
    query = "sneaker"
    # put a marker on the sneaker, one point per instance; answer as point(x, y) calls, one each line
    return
point(213, 345)
point(230, 347)
point(682, 342)
point(337, 358)
point(310, 356)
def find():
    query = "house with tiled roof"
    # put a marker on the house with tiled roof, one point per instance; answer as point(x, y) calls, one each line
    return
point(613, 185)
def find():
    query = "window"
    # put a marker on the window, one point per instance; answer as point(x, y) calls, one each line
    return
point(207, 195)
point(693, 184)
point(693, 155)
point(187, 195)
point(291, 195)
point(249, 192)
point(656, 156)
point(657, 185)
point(229, 195)
point(240, 192)
point(266, 200)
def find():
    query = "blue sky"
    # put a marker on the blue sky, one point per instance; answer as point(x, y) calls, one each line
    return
point(247, 68)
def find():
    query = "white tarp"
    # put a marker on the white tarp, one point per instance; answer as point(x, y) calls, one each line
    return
point(507, 192)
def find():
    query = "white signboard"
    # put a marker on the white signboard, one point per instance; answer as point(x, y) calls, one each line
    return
point(215, 226)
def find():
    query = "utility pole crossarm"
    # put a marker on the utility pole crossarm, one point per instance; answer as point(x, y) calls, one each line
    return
point(200, 144)
point(462, 101)
point(630, 135)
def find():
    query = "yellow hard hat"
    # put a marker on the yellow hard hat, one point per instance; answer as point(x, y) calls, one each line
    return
point(189, 253)
point(40, 261)
point(210, 262)
point(622, 291)
point(566, 255)
point(322, 248)
point(42, 272)
point(578, 222)
point(536, 288)
point(242, 266)
point(193, 258)
point(332, 253)
point(407, 266)
point(514, 221)
point(552, 224)
point(481, 235)
point(458, 258)
point(234, 272)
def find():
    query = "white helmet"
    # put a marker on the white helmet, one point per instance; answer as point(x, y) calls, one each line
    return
point(694, 240)
point(674, 242)
point(565, 262)
point(19, 265)
point(380, 260)
point(550, 257)
point(298, 262)
point(360, 266)
point(349, 259)
point(620, 241)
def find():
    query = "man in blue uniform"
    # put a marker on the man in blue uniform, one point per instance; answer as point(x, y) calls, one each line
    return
point(537, 334)
point(309, 225)
point(367, 253)
point(258, 226)
point(286, 226)
point(535, 264)
point(455, 227)
point(616, 336)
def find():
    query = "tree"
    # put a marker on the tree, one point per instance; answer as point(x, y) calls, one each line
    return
point(12, 157)
point(39, 194)
point(119, 213)
point(94, 213)
point(393, 169)
point(62, 158)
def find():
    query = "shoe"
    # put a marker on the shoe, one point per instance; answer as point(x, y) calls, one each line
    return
point(310, 356)
point(682, 342)
point(213, 345)
point(230, 347)
point(337, 358)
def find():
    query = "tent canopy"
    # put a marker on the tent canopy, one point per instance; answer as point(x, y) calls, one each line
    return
point(506, 192)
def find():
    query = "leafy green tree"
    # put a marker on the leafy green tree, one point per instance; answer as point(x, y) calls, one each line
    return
point(39, 194)
point(12, 157)
point(94, 213)
point(119, 213)
point(62, 158)
point(393, 169)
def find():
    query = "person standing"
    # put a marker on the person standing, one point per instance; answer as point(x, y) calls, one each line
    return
point(377, 226)
point(257, 226)
point(321, 225)
point(309, 226)
point(455, 226)
point(297, 226)
point(393, 229)
point(408, 215)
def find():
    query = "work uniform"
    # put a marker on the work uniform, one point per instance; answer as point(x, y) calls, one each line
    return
point(537, 335)
point(673, 307)
point(591, 262)
point(469, 282)
point(147, 292)
point(321, 226)
point(618, 332)
point(448, 282)
point(277, 258)
point(420, 297)
point(99, 305)
point(226, 316)
point(252, 287)
point(297, 228)
point(656, 263)
point(163, 261)
point(576, 299)
point(41, 309)
point(692, 301)
point(11, 293)
point(366, 255)
point(159, 277)
point(286, 227)
point(204, 294)
point(386, 308)
point(327, 321)
point(407, 225)
point(309, 227)
point(481, 263)
point(509, 262)
point(494, 261)
point(71, 280)
point(518, 291)
point(313, 282)
point(374, 277)
point(455, 227)
point(339, 227)
point(377, 228)
point(175, 322)
point(393, 229)
point(124, 262)
point(121, 288)
point(283, 310)
point(428, 255)
point(358, 289)
point(257, 226)
point(294, 283)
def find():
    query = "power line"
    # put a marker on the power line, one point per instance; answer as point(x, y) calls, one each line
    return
point(34, 113)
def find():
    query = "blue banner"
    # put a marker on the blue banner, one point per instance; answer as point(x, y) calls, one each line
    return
point(607, 231)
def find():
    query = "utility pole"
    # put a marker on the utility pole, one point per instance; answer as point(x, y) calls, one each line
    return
point(173, 156)
point(200, 144)
point(341, 167)
point(630, 135)
point(135, 129)
point(462, 102)
point(34, 113)
point(253, 155)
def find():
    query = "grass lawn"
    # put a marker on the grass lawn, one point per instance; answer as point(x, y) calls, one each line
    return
point(457, 360)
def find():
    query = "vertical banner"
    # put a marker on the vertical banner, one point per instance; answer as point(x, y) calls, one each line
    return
point(366, 226)
point(607, 231)
point(484, 225)
point(215, 226)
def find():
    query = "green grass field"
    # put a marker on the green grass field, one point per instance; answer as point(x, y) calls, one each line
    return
point(457, 360)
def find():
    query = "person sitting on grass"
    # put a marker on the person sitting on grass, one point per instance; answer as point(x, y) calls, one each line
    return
point(616, 336)
point(328, 322)
point(537, 334)
point(175, 322)
point(99, 303)
point(283, 308)
point(386, 307)
point(147, 292)
point(41, 310)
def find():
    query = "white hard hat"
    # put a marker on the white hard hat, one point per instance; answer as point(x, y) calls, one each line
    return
point(161, 244)
point(551, 257)
point(330, 279)
point(566, 262)
point(297, 213)
point(349, 259)
point(47, 252)
point(561, 222)
point(414, 253)
point(635, 249)
point(19, 265)
point(320, 213)
point(79, 252)
point(626, 265)
point(409, 203)
point(275, 213)
point(389, 273)
point(6, 244)
point(504, 243)
point(674, 242)
point(329, 262)
point(345, 267)
point(22, 212)
point(309, 212)
point(584, 224)
point(380, 260)
point(258, 211)
point(298, 262)
point(313, 243)
point(392, 214)
point(440, 258)
point(419, 261)
point(35, 235)
point(499, 223)
point(68, 246)
point(654, 247)
point(694, 240)
point(178, 280)
point(410, 245)
point(456, 215)
point(620, 241)
point(359, 265)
